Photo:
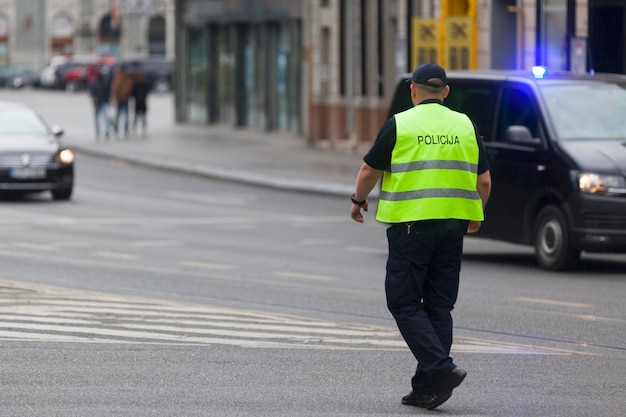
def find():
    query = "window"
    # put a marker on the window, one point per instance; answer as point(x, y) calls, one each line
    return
point(516, 109)
point(196, 73)
point(477, 102)
point(554, 34)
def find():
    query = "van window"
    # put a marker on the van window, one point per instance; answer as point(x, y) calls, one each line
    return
point(587, 110)
point(402, 98)
point(516, 109)
point(477, 103)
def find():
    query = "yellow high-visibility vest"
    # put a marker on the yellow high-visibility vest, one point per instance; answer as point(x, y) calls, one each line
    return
point(434, 168)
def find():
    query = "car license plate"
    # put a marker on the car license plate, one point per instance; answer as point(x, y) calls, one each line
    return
point(27, 173)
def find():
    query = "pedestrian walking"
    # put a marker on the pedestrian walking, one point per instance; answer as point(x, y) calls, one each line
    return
point(435, 185)
point(99, 91)
point(140, 96)
point(122, 89)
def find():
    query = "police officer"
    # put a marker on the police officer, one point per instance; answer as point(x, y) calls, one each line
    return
point(435, 184)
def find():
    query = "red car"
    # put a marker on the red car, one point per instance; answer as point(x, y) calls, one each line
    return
point(78, 78)
point(75, 79)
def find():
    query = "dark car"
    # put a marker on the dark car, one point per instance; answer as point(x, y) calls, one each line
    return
point(158, 71)
point(23, 77)
point(556, 145)
point(32, 158)
point(18, 76)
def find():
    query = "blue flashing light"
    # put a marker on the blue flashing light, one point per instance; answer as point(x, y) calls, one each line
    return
point(539, 72)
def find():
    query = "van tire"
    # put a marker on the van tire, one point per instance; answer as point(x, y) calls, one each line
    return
point(553, 250)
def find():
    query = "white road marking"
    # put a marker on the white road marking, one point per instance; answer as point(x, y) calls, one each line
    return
point(241, 200)
point(362, 249)
point(553, 302)
point(157, 243)
point(117, 255)
point(207, 265)
point(128, 221)
point(320, 242)
point(71, 244)
point(42, 313)
point(299, 275)
point(35, 246)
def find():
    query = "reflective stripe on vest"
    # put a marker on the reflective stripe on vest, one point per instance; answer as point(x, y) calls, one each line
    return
point(434, 168)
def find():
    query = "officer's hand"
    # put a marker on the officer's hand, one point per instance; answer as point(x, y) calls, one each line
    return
point(473, 227)
point(355, 212)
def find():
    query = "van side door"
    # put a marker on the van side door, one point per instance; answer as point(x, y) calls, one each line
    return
point(478, 99)
point(517, 158)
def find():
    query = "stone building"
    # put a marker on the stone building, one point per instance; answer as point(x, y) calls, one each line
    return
point(326, 69)
point(33, 31)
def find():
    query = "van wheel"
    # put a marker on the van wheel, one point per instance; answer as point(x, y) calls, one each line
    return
point(552, 247)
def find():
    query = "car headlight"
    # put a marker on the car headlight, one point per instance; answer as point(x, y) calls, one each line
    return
point(595, 183)
point(66, 156)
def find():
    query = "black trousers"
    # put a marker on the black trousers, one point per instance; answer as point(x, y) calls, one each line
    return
point(422, 285)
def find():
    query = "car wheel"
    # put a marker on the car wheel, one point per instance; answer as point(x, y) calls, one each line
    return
point(552, 247)
point(62, 193)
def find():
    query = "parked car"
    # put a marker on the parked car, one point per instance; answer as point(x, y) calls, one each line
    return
point(79, 77)
point(17, 76)
point(32, 157)
point(556, 145)
point(63, 69)
point(75, 78)
point(158, 71)
point(26, 77)
point(48, 74)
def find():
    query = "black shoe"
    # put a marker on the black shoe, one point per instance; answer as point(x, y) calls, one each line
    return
point(445, 385)
point(418, 400)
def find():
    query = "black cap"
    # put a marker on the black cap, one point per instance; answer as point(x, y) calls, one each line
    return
point(428, 71)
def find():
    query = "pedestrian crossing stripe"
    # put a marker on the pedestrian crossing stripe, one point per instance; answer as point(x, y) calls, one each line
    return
point(37, 312)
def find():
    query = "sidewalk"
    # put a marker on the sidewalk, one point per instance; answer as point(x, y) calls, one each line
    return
point(277, 159)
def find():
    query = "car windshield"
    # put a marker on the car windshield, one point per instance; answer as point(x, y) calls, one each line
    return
point(21, 122)
point(587, 110)
point(8, 71)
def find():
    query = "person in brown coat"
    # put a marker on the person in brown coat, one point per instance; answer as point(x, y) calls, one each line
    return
point(121, 91)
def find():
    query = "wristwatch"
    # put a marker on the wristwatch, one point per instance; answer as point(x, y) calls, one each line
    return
point(357, 202)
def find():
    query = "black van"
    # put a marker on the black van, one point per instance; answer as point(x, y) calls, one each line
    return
point(556, 145)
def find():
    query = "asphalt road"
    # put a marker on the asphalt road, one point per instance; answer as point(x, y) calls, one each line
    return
point(157, 294)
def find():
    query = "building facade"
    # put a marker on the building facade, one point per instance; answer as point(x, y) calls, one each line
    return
point(33, 31)
point(327, 69)
point(240, 63)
